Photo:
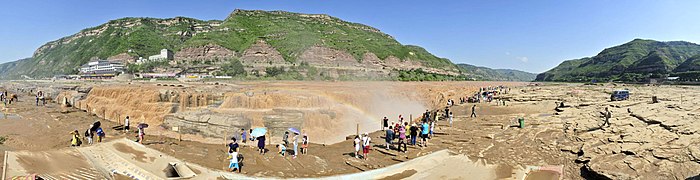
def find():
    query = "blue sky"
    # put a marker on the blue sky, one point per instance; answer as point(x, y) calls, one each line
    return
point(533, 36)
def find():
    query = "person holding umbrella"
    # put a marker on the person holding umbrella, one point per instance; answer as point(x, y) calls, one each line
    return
point(142, 133)
point(296, 145)
point(259, 133)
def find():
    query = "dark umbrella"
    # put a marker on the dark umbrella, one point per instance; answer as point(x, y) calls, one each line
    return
point(95, 125)
point(143, 125)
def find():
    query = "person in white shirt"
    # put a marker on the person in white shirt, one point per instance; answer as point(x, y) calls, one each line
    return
point(126, 124)
point(366, 143)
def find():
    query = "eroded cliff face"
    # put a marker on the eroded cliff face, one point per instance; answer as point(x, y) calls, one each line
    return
point(326, 111)
point(207, 52)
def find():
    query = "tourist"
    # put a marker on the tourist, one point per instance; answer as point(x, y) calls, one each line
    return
point(402, 137)
point(386, 123)
point(285, 138)
point(89, 135)
point(450, 118)
point(304, 144)
point(424, 134)
point(100, 134)
point(473, 111)
point(261, 144)
point(126, 124)
point(75, 139)
point(389, 136)
point(295, 143)
point(426, 116)
point(447, 111)
point(141, 133)
point(281, 149)
point(366, 145)
point(608, 115)
point(233, 163)
point(357, 145)
point(414, 134)
point(432, 129)
point(232, 146)
point(244, 137)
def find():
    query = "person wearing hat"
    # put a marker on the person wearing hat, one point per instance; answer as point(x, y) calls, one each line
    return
point(75, 139)
point(366, 145)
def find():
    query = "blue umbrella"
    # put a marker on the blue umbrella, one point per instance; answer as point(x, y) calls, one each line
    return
point(257, 132)
point(294, 130)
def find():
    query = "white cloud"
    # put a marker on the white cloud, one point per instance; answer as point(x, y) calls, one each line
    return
point(507, 53)
point(523, 59)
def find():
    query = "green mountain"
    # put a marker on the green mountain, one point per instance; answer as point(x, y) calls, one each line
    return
point(633, 61)
point(484, 73)
point(290, 34)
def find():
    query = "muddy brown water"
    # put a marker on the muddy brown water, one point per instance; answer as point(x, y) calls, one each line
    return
point(542, 175)
point(138, 155)
point(401, 175)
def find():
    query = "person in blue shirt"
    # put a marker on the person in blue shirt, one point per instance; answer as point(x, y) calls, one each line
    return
point(424, 134)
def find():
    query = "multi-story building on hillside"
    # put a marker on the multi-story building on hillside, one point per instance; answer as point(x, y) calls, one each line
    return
point(101, 69)
point(164, 55)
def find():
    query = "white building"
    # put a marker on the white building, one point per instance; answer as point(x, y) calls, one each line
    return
point(102, 67)
point(164, 55)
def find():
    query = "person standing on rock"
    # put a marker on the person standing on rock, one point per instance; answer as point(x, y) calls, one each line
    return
point(402, 137)
point(285, 138)
point(304, 144)
point(89, 134)
point(357, 145)
point(126, 124)
point(450, 118)
point(608, 115)
point(296, 145)
point(75, 138)
point(386, 123)
point(244, 137)
point(473, 111)
point(100, 134)
point(233, 146)
point(141, 133)
point(366, 144)
point(261, 144)
point(388, 137)
point(424, 134)
point(414, 134)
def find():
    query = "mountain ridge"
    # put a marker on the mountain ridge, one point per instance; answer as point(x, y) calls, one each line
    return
point(634, 61)
point(327, 46)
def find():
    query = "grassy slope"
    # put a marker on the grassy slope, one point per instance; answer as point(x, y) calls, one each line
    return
point(632, 59)
point(289, 33)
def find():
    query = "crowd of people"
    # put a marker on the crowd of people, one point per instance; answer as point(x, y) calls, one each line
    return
point(245, 136)
point(96, 133)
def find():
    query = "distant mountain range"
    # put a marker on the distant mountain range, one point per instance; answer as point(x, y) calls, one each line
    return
point(293, 45)
point(485, 73)
point(635, 61)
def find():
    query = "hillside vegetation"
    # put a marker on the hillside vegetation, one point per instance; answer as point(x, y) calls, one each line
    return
point(289, 33)
point(633, 61)
point(484, 73)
